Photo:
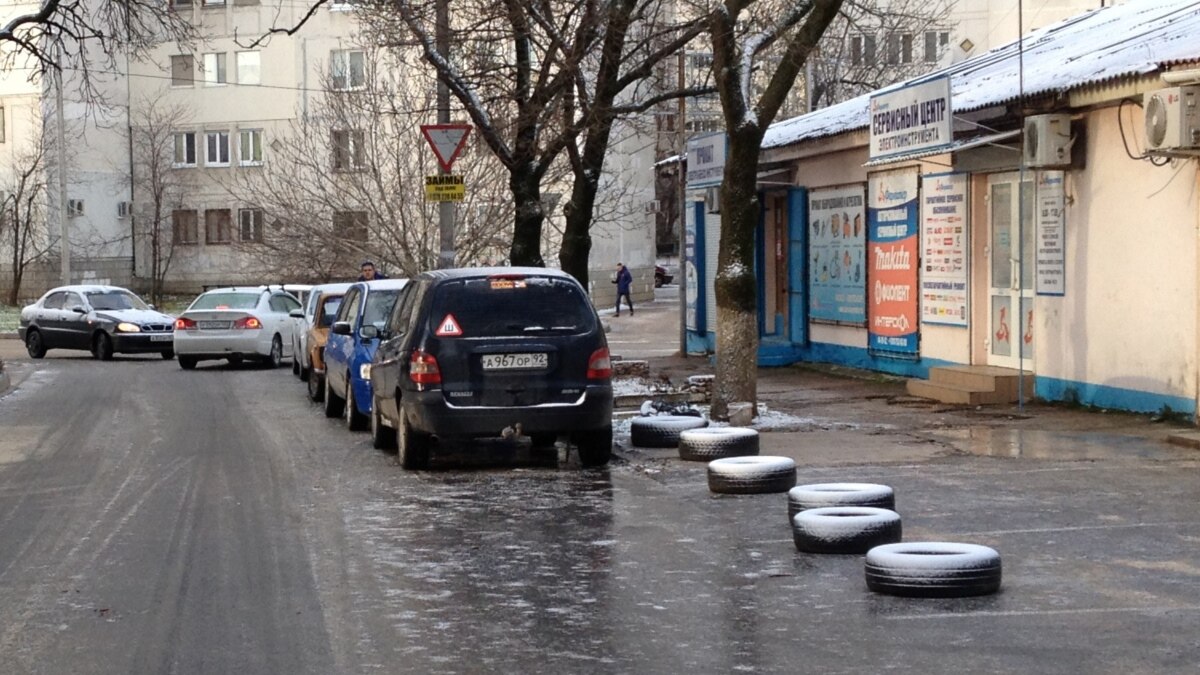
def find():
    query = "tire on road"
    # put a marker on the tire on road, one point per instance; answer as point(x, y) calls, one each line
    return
point(412, 447)
point(594, 446)
point(382, 437)
point(662, 431)
point(316, 388)
point(933, 570)
point(818, 495)
point(334, 404)
point(188, 362)
point(844, 529)
point(355, 420)
point(35, 345)
point(751, 475)
point(102, 347)
point(705, 445)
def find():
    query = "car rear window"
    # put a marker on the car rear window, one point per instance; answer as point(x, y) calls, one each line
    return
point(509, 306)
point(226, 300)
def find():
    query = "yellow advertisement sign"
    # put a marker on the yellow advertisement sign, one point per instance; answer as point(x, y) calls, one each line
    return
point(445, 188)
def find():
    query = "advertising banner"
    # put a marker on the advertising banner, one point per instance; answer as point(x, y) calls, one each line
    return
point(1051, 234)
point(837, 271)
point(944, 249)
point(691, 277)
point(892, 263)
point(706, 160)
point(911, 119)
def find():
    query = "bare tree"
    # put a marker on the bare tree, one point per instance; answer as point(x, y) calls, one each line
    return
point(23, 227)
point(159, 188)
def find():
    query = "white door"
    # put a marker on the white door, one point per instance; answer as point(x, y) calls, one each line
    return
point(1010, 271)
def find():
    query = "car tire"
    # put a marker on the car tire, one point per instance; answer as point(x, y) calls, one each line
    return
point(662, 431)
point(102, 346)
point(316, 388)
point(595, 446)
point(933, 570)
point(188, 362)
point(412, 446)
point(168, 355)
point(296, 366)
point(382, 437)
point(705, 445)
point(35, 345)
point(355, 420)
point(751, 475)
point(305, 374)
point(334, 404)
point(819, 495)
point(844, 529)
point(275, 358)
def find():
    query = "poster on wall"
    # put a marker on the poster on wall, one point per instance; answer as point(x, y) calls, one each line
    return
point(892, 261)
point(691, 278)
point(837, 271)
point(1051, 237)
point(944, 249)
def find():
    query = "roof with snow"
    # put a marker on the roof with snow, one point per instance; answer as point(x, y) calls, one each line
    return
point(1136, 38)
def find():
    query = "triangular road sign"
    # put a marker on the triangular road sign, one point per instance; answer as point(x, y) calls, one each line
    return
point(449, 327)
point(447, 141)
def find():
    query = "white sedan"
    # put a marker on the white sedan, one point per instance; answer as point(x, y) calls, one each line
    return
point(236, 324)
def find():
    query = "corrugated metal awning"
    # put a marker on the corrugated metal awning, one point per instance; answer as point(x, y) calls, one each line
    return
point(957, 146)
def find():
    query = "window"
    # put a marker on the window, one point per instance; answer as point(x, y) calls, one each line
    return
point(250, 147)
point(935, 45)
point(216, 148)
point(185, 149)
point(701, 60)
point(217, 226)
point(349, 309)
point(184, 226)
point(899, 48)
point(856, 50)
point(54, 300)
point(348, 150)
point(347, 70)
point(183, 70)
point(283, 304)
point(214, 3)
point(181, 3)
point(214, 69)
point(250, 225)
point(3, 124)
point(869, 49)
point(906, 48)
point(249, 68)
point(350, 225)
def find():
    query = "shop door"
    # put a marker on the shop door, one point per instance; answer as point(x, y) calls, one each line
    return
point(1010, 271)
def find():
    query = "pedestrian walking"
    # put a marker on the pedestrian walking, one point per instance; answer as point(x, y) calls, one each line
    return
point(624, 282)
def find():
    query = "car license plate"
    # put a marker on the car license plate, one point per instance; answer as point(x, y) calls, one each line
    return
point(162, 338)
point(515, 361)
point(212, 324)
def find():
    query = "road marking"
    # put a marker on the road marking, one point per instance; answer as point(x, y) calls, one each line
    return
point(1047, 612)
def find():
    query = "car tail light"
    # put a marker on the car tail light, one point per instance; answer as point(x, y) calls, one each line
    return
point(600, 365)
point(423, 368)
point(183, 323)
point(247, 323)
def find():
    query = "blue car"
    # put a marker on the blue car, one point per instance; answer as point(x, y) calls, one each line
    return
point(356, 332)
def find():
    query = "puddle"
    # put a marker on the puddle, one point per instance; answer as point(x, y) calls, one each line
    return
point(1057, 445)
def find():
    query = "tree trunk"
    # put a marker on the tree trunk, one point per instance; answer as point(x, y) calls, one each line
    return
point(527, 229)
point(736, 284)
point(577, 239)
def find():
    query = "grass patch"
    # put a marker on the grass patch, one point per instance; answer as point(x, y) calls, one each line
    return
point(9, 318)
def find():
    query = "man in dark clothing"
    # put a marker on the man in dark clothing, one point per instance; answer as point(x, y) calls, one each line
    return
point(369, 273)
point(623, 281)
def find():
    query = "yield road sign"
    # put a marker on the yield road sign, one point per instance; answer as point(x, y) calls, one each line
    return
point(447, 141)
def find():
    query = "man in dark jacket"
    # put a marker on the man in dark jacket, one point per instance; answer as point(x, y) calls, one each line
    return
point(369, 273)
point(624, 282)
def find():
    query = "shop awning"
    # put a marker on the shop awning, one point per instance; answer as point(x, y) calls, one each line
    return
point(957, 146)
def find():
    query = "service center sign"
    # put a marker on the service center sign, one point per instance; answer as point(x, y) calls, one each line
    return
point(892, 262)
point(911, 119)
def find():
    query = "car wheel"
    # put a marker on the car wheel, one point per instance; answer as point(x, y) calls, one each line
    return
point(844, 529)
point(662, 431)
point(168, 355)
point(658, 281)
point(316, 388)
point(334, 404)
point(296, 366)
point(933, 570)
point(595, 447)
point(305, 374)
point(412, 446)
point(102, 347)
point(818, 495)
point(275, 358)
point(187, 362)
point(705, 445)
point(751, 475)
point(382, 437)
point(355, 421)
point(34, 344)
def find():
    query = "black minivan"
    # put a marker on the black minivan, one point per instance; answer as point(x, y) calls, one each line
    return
point(500, 351)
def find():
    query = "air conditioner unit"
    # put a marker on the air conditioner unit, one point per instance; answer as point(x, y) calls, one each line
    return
point(1172, 119)
point(1048, 141)
point(74, 207)
point(712, 199)
point(652, 206)
point(122, 209)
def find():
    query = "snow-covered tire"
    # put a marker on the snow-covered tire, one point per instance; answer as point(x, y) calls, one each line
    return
point(705, 445)
point(819, 495)
point(662, 431)
point(844, 529)
point(751, 475)
point(933, 570)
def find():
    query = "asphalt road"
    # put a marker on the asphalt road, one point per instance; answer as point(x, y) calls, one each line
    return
point(160, 521)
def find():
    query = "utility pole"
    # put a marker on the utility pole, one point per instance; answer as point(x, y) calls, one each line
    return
point(681, 277)
point(64, 241)
point(446, 208)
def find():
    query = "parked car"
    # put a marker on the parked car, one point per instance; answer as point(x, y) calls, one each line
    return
point(493, 352)
point(661, 278)
point(353, 338)
point(327, 304)
point(106, 320)
point(302, 323)
point(234, 324)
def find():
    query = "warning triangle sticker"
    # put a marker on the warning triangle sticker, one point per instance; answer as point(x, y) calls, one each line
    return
point(447, 141)
point(449, 327)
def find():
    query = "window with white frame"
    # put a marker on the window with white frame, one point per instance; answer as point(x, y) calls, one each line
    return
point(185, 149)
point(216, 148)
point(935, 44)
point(862, 50)
point(348, 151)
point(214, 69)
point(249, 67)
point(347, 69)
point(250, 225)
point(250, 147)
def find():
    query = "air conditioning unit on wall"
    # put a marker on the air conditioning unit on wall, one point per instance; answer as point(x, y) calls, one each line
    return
point(1172, 119)
point(1048, 141)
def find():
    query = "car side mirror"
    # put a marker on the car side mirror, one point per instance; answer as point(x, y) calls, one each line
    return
point(296, 314)
point(79, 309)
point(368, 332)
point(340, 328)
